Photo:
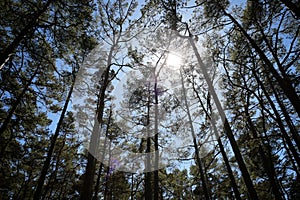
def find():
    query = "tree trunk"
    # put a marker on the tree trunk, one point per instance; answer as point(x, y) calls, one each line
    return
point(107, 191)
point(41, 180)
point(198, 160)
point(284, 83)
point(16, 103)
point(222, 149)
point(88, 181)
point(148, 174)
point(156, 178)
point(266, 160)
point(132, 186)
point(286, 115)
point(95, 197)
point(245, 174)
point(279, 121)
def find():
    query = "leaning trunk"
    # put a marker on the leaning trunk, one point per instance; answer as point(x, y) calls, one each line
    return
point(198, 160)
point(222, 149)
point(266, 160)
point(41, 180)
point(279, 121)
point(16, 103)
point(284, 83)
point(245, 174)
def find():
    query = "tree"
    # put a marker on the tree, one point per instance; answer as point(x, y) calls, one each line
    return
point(40, 35)
point(55, 21)
point(228, 129)
point(292, 6)
point(175, 99)
point(38, 191)
point(114, 15)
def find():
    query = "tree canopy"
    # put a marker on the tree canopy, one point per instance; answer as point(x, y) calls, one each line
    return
point(169, 99)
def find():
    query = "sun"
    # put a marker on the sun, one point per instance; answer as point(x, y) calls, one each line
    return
point(174, 60)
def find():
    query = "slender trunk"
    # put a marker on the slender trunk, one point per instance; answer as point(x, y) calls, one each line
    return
point(50, 187)
point(9, 50)
point(292, 6)
point(95, 197)
point(156, 152)
point(245, 174)
point(156, 178)
point(199, 162)
point(291, 158)
point(234, 186)
point(148, 187)
point(108, 173)
point(222, 149)
point(279, 121)
point(46, 165)
point(286, 115)
point(284, 83)
point(102, 157)
point(132, 186)
point(288, 120)
point(57, 167)
point(15, 105)
point(266, 160)
point(148, 177)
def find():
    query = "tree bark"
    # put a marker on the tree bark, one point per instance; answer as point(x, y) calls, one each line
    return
point(107, 190)
point(279, 121)
point(286, 115)
point(148, 174)
point(156, 178)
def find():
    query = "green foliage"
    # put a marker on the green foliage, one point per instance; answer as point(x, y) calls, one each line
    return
point(45, 43)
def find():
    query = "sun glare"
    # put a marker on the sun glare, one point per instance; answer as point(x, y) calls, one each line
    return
point(174, 60)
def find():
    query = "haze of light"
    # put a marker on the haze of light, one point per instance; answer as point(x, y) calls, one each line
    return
point(174, 60)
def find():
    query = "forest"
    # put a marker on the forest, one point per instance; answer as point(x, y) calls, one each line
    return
point(150, 100)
